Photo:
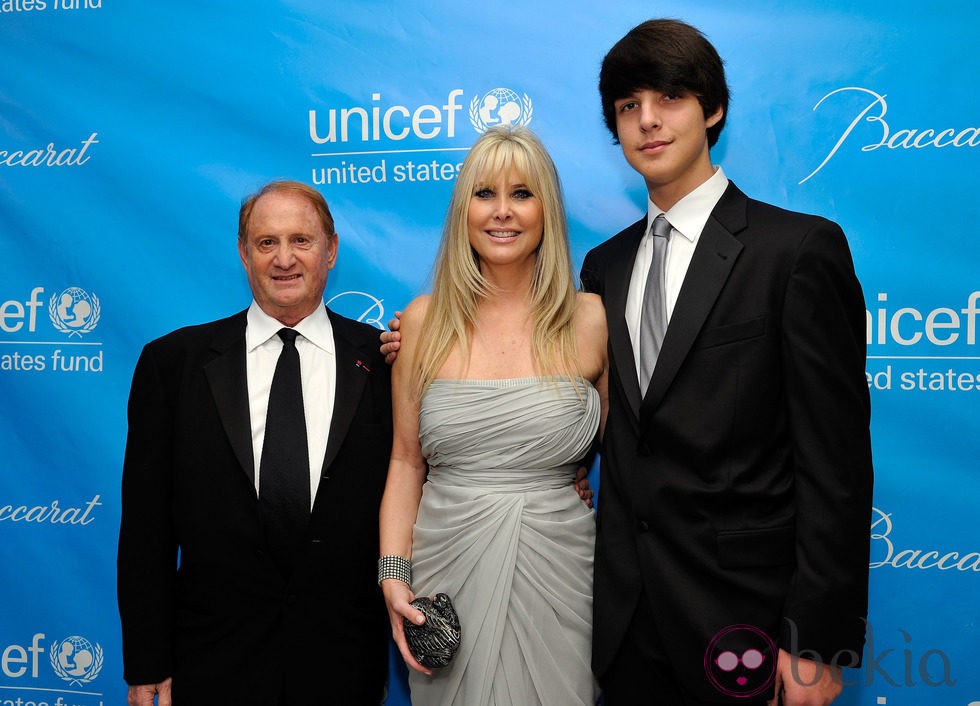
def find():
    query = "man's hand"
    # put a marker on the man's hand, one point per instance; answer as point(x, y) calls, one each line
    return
point(391, 340)
point(142, 694)
point(803, 682)
point(581, 483)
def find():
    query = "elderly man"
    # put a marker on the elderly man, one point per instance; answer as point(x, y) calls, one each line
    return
point(255, 462)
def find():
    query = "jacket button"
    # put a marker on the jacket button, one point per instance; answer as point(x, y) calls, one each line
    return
point(643, 526)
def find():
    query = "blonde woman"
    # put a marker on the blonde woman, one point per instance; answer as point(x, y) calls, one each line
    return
point(498, 390)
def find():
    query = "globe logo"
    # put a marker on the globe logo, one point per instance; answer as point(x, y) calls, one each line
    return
point(74, 311)
point(76, 660)
point(500, 106)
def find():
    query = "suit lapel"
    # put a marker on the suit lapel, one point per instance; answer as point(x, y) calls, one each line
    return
point(616, 288)
point(350, 377)
point(714, 257)
point(226, 377)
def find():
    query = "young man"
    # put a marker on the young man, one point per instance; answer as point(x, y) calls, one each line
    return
point(733, 522)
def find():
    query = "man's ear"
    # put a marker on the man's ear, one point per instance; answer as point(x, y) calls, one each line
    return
point(332, 244)
point(713, 119)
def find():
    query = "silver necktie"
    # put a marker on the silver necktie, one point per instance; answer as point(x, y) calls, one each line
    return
point(653, 320)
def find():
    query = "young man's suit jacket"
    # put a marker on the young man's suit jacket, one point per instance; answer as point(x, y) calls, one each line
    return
point(738, 490)
point(227, 625)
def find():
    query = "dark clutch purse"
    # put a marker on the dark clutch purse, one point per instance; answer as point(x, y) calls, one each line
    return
point(435, 642)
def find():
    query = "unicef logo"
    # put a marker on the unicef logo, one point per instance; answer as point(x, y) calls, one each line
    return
point(76, 660)
point(74, 311)
point(500, 106)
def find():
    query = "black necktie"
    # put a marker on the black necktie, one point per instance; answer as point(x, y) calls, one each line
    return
point(284, 471)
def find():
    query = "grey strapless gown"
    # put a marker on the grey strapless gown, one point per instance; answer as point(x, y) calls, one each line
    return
point(501, 529)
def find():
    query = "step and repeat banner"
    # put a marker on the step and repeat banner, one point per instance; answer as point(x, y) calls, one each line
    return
point(130, 131)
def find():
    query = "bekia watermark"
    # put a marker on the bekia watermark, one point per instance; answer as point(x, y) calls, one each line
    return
point(740, 662)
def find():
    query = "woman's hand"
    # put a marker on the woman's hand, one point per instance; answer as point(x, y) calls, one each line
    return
point(398, 598)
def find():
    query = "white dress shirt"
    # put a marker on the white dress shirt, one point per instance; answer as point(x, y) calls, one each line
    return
point(318, 368)
point(687, 219)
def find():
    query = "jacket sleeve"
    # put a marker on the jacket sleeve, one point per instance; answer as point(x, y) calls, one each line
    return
point(589, 276)
point(147, 558)
point(824, 353)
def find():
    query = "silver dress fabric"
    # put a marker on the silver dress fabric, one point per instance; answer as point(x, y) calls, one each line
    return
point(501, 529)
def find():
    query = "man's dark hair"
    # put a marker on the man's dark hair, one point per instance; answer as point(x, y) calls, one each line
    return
point(668, 56)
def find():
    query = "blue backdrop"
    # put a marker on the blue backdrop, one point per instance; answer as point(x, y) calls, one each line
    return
point(129, 132)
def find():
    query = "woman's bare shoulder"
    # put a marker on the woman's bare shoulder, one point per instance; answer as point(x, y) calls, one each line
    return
point(590, 325)
point(415, 311)
point(589, 310)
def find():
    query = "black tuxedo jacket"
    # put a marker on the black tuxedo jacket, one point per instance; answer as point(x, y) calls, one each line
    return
point(738, 490)
point(200, 598)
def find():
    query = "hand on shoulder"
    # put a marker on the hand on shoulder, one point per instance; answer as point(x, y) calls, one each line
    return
point(414, 315)
point(410, 324)
point(391, 340)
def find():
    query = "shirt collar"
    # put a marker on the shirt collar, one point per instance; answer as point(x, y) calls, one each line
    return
point(689, 215)
point(316, 328)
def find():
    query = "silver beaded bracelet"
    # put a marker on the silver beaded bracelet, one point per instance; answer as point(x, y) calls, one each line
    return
point(394, 567)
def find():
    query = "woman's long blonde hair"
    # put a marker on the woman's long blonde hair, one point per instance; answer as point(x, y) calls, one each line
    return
point(458, 284)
